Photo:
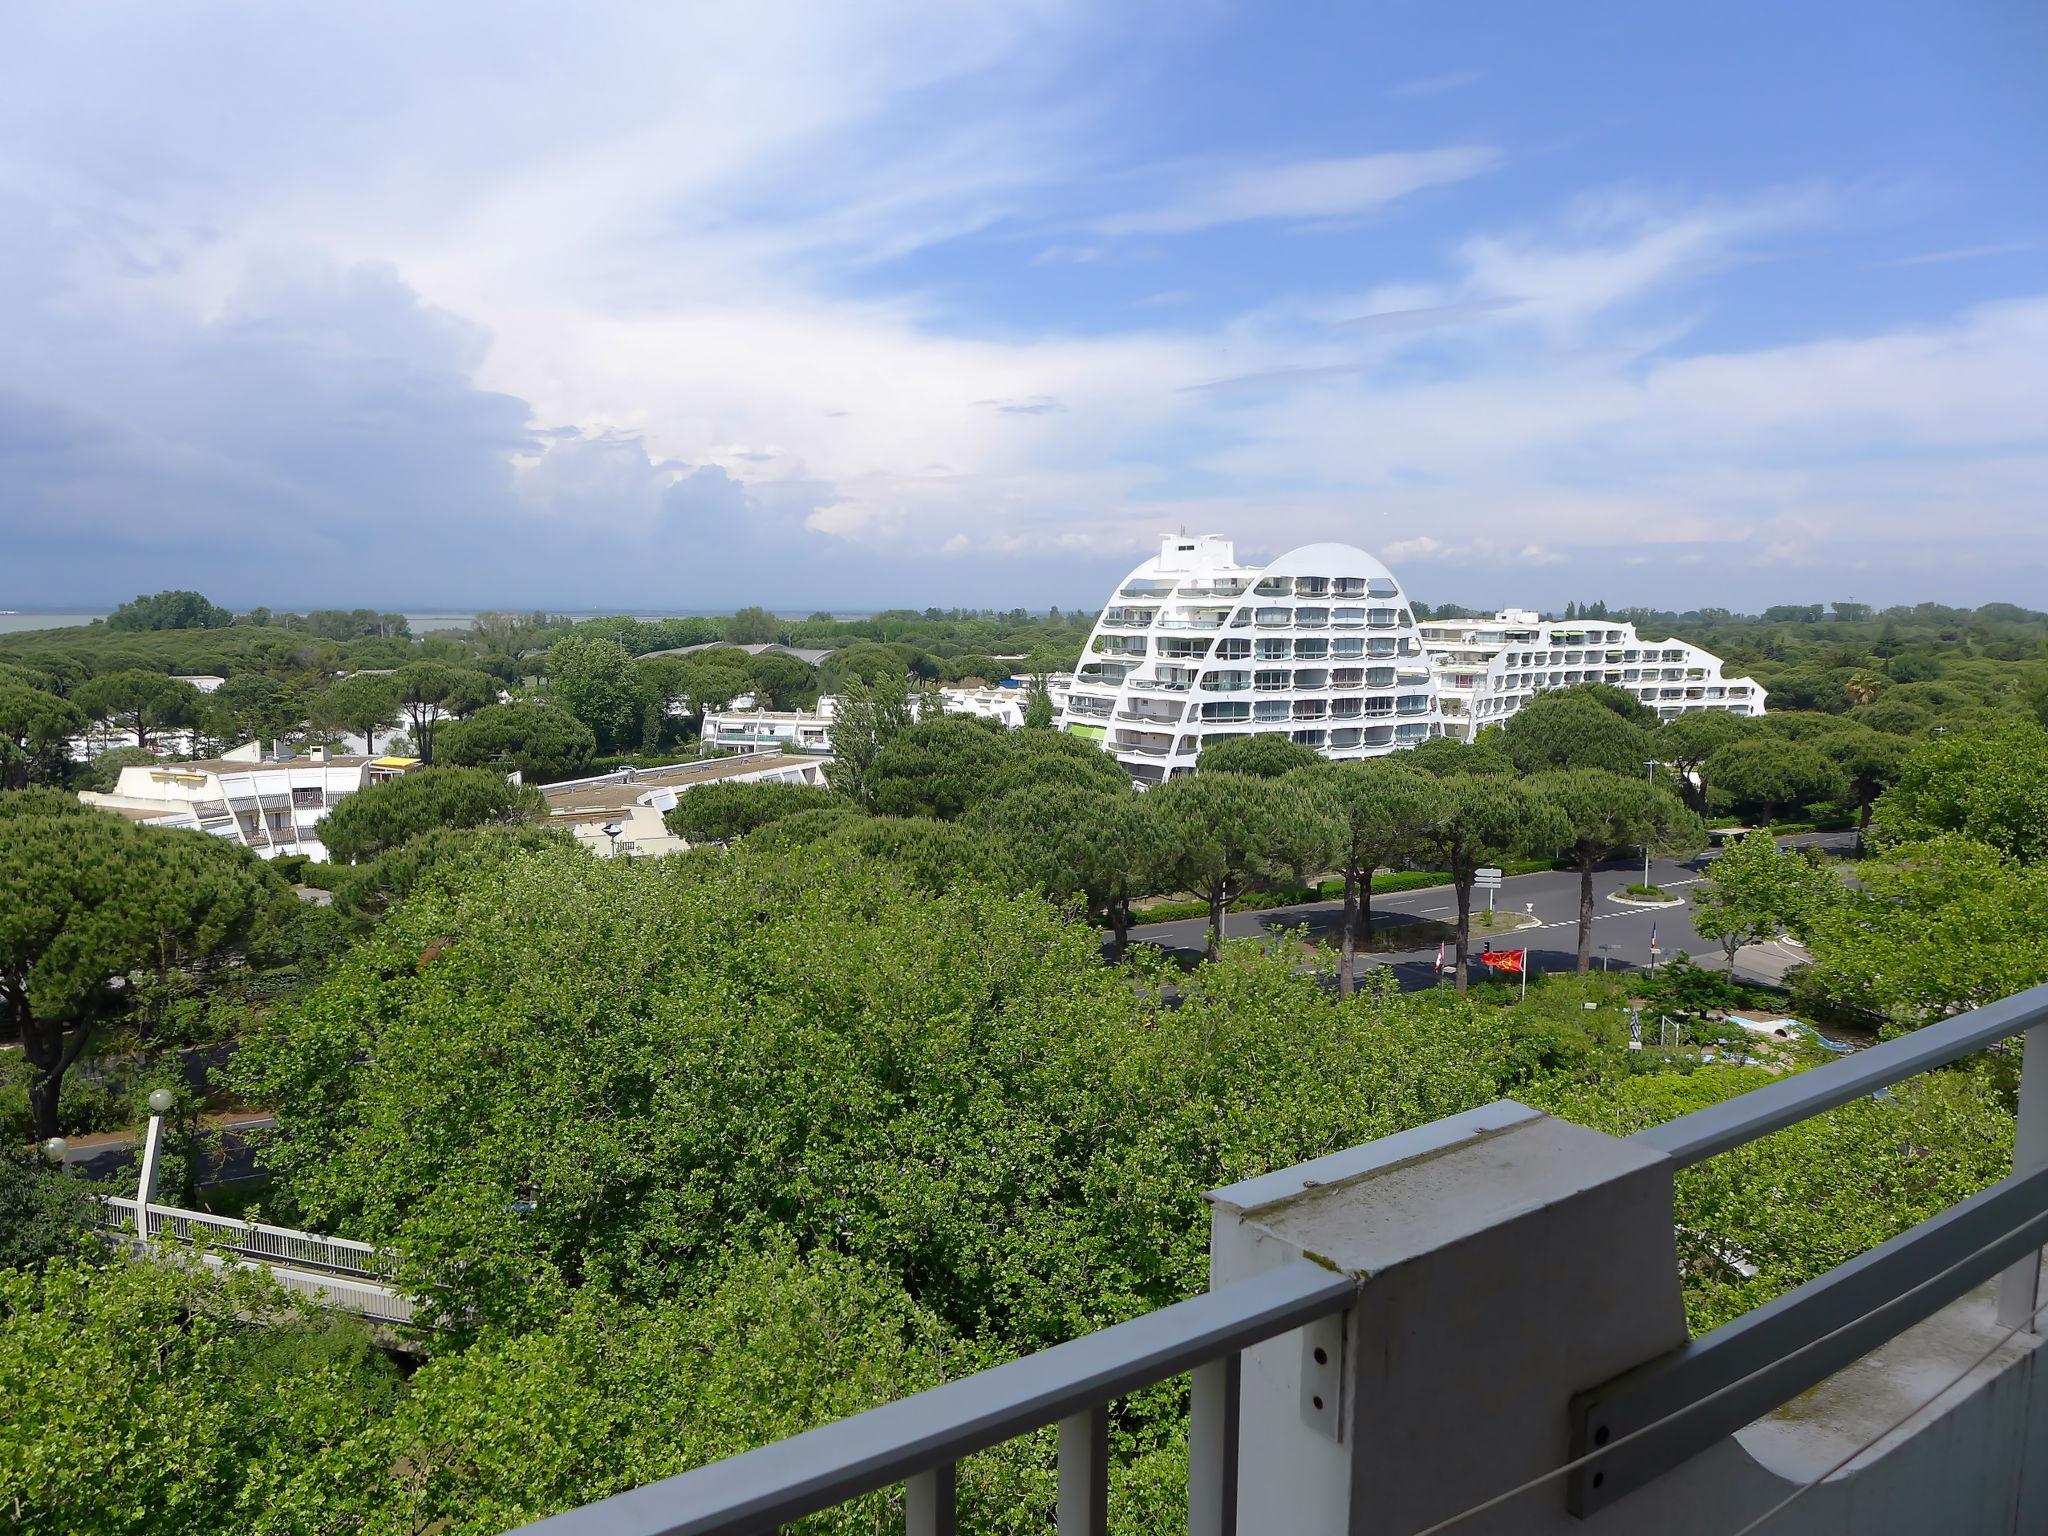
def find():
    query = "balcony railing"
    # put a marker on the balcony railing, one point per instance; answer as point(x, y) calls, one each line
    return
point(1342, 1429)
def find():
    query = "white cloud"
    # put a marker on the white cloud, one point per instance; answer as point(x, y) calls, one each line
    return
point(1306, 189)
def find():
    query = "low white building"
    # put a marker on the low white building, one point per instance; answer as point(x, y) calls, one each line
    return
point(272, 806)
point(620, 814)
point(1487, 669)
point(741, 728)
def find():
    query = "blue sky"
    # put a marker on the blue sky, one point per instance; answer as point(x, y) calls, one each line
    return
point(819, 305)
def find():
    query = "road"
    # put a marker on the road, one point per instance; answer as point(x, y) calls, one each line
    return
point(1552, 945)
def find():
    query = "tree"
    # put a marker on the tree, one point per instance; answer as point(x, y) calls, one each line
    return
point(1219, 830)
point(1038, 710)
point(1929, 929)
point(1384, 805)
point(1870, 762)
point(140, 702)
point(1570, 729)
point(868, 716)
point(35, 733)
point(1764, 774)
point(369, 890)
point(104, 773)
point(1687, 742)
point(713, 679)
point(90, 905)
point(1445, 757)
point(752, 626)
point(45, 1214)
point(361, 705)
point(1484, 819)
point(1604, 812)
point(374, 820)
point(1989, 784)
point(1268, 755)
point(781, 681)
point(430, 690)
point(934, 768)
point(170, 610)
point(1755, 891)
point(720, 813)
point(251, 706)
point(538, 740)
point(1070, 839)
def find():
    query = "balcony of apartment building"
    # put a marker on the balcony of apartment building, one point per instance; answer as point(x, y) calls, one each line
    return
point(1230, 681)
point(1272, 680)
point(1306, 678)
point(1153, 711)
point(1195, 620)
point(1148, 743)
point(1412, 704)
point(1128, 618)
point(1273, 618)
point(1220, 586)
point(1311, 617)
point(1273, 586)
point(1311, 709)
point(1179, 649)
point(1092, 706)
point(1382, 618)
point(1347, 679)
point(1167, 680)
point(1147, 586)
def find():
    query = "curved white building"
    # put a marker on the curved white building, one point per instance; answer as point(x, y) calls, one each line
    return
point(1194, 647)
point(1487, 669)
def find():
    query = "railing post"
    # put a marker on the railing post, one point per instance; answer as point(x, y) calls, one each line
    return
point(2019, 1287)
point(1212, 1447)
point(145, 1184)
point(931, 1503)
point(1083, 1506)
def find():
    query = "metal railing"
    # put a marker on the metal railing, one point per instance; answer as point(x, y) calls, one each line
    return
point(919, 1440)
point(1667, 1411)
point(333, 1271)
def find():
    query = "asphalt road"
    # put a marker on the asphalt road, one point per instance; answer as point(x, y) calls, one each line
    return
point(1552, 945)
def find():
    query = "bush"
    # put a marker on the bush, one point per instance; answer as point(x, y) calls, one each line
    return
point(374, 820)
point(1643, 892)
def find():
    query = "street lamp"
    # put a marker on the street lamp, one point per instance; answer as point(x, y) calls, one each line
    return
point(1651, 764)
point(54, 1149)
point(612, 829)
point(161, 1100)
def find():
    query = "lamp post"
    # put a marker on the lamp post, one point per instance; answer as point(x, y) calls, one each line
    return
point(612, 829)
point(54, 1149)
point(1651, 764)
point(160, 1102)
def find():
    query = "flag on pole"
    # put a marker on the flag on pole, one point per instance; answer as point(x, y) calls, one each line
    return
point(1509, 960)
point(1653, 935)
point(1439, 959)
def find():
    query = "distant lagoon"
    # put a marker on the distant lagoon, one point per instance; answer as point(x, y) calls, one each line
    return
point(420, 623)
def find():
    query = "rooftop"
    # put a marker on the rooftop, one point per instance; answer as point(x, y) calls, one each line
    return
point(618, 792)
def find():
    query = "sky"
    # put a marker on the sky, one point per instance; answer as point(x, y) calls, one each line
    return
point(850, 306)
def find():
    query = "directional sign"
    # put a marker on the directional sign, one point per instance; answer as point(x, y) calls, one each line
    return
point(1486, 879)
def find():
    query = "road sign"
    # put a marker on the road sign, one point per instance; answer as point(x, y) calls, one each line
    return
point(1486, 879)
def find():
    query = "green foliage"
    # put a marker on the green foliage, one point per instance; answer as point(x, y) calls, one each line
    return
point(361, 705)
point(538, 741)
point(1603, 812)
point(1265, 755)
point(594, 680)
point(752, 626)
point(35, 729)
point(934, 768)
point(100, 917)
point(1755, 891)
point(138, 701)
point(170, 610)
point(1990, 785)
point(872, 713)
point(1930, 929)
point(1068, 839)
point(719, 813)
point(1573, 728)
point(383, 816)
point(367, 890)
point(431, 690)
point(781, 681)
point(44, 1214)
point(1762, 774)
point(1219, 830)
point(173, 1398)
point(1445, 758)
point(105, 771)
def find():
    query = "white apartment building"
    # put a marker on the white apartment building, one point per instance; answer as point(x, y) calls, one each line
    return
point(742, 728)
point(1486, 669)
point(273, 806)
point(1319, 645)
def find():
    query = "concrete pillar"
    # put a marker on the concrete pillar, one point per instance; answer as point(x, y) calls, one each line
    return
point(1511, 1260)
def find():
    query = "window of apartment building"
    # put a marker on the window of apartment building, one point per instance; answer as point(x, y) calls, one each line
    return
point(308, 799)
point(1311, 650)
point(1271, 681)
point(1274, 650)
point(1233, 650)
point(1270, 709)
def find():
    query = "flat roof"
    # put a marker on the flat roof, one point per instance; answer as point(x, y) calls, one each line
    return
point(581, 799)
point(246, 765)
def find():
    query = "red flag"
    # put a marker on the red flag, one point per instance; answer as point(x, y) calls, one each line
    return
point(1439, 959)
point(1503, 959)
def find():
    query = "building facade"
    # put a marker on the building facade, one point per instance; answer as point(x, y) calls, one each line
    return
point(1487, 669)
point(1320, 645)
point(272, 806)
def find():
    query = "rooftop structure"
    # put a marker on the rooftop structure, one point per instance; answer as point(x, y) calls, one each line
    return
point(633, 801)
point(1319, 646)
point(273, 806)
point(809, 655)
point(1487, 669)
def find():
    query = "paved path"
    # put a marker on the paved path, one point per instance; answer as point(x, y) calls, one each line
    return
point(1552, 946)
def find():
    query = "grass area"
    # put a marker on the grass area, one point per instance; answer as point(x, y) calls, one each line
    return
point(1387, 883)
point(1647, 892)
